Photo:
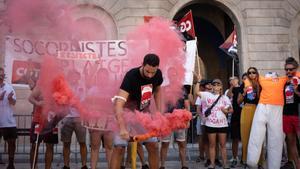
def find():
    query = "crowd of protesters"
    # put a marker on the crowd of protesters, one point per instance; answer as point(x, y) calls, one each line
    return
point(254, 111)
point(265, 109)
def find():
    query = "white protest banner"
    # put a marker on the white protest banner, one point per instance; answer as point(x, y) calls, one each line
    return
point(189, 65)
point(22, 56)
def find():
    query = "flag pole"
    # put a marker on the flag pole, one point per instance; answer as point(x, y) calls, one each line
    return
point(232, 67)
point(35, 150)
point(197, 56)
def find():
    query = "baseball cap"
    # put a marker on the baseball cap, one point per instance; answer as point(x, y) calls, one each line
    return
point(217, 81)
point(204, 82)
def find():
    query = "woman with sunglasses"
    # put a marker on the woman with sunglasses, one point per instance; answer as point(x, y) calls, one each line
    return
point(268, 119)
point(250, 97)
point(290, 112)
point(216, 124)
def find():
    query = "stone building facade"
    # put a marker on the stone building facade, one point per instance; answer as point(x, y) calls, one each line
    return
point(268, 30)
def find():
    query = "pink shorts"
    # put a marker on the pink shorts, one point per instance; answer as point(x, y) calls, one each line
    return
point(290, 124)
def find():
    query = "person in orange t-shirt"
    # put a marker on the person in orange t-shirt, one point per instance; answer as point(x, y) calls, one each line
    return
point(268, 117)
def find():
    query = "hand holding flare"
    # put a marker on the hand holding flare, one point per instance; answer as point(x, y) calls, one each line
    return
point(62, 94)
point(160, 125)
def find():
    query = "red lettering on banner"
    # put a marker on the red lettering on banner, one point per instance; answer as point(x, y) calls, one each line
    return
point(77, 56)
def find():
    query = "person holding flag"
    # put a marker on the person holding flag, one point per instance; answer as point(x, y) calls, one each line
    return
point(37, 124)
point(8, 126)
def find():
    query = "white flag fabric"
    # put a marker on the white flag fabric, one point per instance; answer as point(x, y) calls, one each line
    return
point(191, 47)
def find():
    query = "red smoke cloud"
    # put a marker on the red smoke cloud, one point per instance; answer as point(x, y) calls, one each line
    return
point(158, 125)
point(54, 20)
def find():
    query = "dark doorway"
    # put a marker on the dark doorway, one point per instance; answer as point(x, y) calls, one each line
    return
point(212, 26)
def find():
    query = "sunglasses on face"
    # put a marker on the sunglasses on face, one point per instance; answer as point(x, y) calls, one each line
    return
point(216, 84)
point(251, 72)
point(289, 69)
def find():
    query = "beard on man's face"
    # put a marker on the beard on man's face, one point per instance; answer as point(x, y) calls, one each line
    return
point(290, 74)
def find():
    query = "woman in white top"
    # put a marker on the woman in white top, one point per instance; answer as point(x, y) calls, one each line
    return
point(216, 124)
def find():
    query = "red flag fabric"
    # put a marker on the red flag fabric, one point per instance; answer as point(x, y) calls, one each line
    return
point(147, 18)
point(186, 24)
point(230, 41)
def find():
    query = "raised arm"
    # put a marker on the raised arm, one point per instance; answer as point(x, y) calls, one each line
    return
point(197, 90)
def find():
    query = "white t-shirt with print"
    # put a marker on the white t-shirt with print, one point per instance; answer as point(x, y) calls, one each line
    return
point(6, 110)
point(217, 118)
point(198, 103)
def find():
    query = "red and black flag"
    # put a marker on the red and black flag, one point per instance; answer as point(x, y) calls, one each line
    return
point(230, 45)
point(186, 26)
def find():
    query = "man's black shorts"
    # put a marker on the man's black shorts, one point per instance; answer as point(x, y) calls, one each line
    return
point(51, 138)
point(8, 133)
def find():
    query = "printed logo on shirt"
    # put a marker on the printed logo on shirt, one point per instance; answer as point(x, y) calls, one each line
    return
point(146, 94)
point(289, 94)
point(250, 93)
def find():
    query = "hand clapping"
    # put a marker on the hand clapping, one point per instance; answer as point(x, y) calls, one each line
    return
point(2, 95)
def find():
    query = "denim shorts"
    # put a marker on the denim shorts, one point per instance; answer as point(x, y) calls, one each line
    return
point(70, 125)
point(179, 135)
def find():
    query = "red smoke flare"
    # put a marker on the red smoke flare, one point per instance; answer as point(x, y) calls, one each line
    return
point(62, 94)
point(159, 125)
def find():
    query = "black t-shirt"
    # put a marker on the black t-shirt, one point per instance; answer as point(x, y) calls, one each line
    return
point(291, 100)
point(251, 96)
point(139, 88)
point(236, 91)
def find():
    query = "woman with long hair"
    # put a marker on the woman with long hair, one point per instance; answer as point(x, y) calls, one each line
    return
point(250, 97)
point(216, 124)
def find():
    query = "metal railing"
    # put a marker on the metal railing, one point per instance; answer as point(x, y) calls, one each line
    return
point(23, 144)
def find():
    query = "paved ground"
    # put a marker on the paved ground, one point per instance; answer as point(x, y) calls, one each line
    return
point(22, 161)
point(102, 165)
point(173, 162)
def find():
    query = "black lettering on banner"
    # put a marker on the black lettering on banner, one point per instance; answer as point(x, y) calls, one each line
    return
point(75, 46)
point(48, 48)
point(114, 65)
point(82, 45)
point(111, 48)
point(88, 47)
point(124, 65)
point(30, 46)
point(101, 62)
point(63, 46)
point(100, 48)
point(37, 48)
point(123, 48)
point(16, 43)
